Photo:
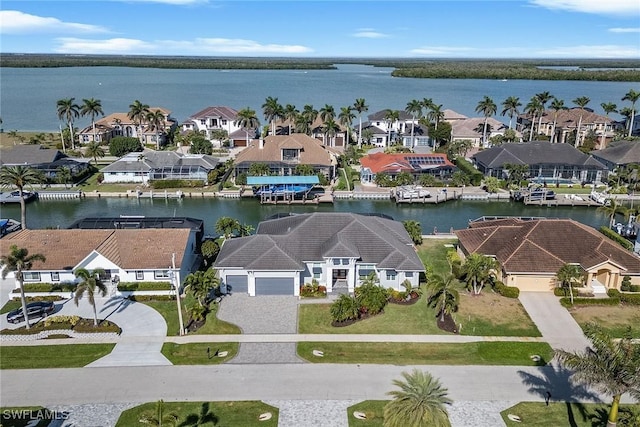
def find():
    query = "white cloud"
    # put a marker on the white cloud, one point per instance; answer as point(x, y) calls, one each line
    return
point(597, 51)
point(16, 22)
point(603, 7)
point(624, 30)
point(114, 46)
point(240, 46)
point(369, 33)
point(442, 51)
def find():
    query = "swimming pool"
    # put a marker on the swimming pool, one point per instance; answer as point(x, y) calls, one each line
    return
point(542, 180)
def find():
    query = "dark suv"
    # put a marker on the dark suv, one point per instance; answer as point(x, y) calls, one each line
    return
point(34, 309)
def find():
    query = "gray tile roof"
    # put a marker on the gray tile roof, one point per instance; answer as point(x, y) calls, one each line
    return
point(149, 159)
point(286, 243)
point(620, 152)
point(30, 155)
point(535, 153)
point(223, 112)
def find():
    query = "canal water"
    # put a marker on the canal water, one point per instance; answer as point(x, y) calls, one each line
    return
point(441, 217)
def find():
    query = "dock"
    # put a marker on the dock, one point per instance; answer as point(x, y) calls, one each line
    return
point(287, 199)
point(440, 196)
point(563, 200)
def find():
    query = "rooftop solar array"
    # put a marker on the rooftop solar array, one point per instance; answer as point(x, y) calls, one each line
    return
point(424, 160)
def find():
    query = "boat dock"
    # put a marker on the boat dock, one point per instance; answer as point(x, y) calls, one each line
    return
point(563, 200)
point(289, 199)
point(440, 196)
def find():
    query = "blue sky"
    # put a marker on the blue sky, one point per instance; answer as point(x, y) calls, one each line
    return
point(382, 28)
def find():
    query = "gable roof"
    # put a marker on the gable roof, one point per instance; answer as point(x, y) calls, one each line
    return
point(311, 150)
point(129, 249)
point(534, 153)
point(220, 111)
point(296, 239)
point(569, 118)
point(149, 159)
point(467, 127)
point(544, 245)
point(30, 155)
point(398, 162)
point(620, 152)
point(450, 115)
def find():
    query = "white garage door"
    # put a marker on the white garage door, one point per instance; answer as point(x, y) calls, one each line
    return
point(274, 286)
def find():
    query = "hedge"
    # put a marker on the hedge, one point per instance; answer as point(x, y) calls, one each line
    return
point(475, 176)
point(48, 287)
point(566, 301)
point(141, 298)
point(176, 183)
point(507, 291)
point(616, 237)
point(144, 286)
point(631, 299)
point(44, 298)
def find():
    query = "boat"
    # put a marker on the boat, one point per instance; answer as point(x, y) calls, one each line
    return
point(600, 198)
point(14, 196)
point(9, 226)
point(279, 189)
point(540, 194)
point(413, 192)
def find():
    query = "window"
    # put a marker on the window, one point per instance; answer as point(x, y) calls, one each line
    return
point(345, 261)
point(223, 121)
point(336, 261)
point(391, 275)
point(203, 121)
point(161, 274)
point(289, 154)
point(55, 276)
point(408, 275)
point(139, 275)
point(317, 271)
point(29, 276)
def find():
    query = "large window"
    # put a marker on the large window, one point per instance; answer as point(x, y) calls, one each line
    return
point(161, 274)
point(289, 154)
point(391, 275)
point(29, 276)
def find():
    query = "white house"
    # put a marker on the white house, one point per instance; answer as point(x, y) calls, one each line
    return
point(211, 119)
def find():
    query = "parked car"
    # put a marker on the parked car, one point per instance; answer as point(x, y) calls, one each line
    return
point(34, 309)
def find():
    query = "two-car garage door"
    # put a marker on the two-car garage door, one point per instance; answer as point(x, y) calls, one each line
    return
point(274, 286)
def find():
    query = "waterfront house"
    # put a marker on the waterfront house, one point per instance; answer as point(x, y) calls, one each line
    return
point(436, 164)
point(618, 154)
point(150, 165)
point(530, 252)
point(550, 163)
point(46, 160)
point(473, 129)
point(387, 132)
point(284, 152)
point(133, 255)
point(212, 119)
point(119, 124)
point(338, 250)
point(317, 131)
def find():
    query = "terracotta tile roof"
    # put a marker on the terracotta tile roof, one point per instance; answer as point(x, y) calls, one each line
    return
point(312, 151)
point(570, 118)
point(472, 127)
point(450, 115)
point(398, 162)
point(544, 245)
point(129, 249)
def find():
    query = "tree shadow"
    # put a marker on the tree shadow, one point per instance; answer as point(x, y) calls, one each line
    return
point(205, 417)
point(554, 384)
point(116, 305)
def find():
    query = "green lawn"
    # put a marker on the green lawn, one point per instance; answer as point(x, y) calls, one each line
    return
point(52, 356)
point(213, 325)
point(374, 410)
point(478, 353)
point(433, 252)
point(243, 413)
point(537, 414)
point(196, 353)
point(612, 319)
point(24, 416)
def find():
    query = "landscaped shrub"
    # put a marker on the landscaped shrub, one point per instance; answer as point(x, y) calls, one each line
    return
point(144, 286)
point(176, 183)
point(613, 293)
point(507, 291)
point(48, 287)
point(634, 288)
point(371, 297)
point(344, 309)
point(566, 302)
point(631, 299)
point(151, 297)
point(616, 237)
point(313, 290)
point(475, 176)
point(560, 292)
point(626, 284)
point(43, 298)
point(121, 145)
point(72, 320)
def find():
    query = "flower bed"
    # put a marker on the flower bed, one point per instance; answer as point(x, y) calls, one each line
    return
point(69, 325)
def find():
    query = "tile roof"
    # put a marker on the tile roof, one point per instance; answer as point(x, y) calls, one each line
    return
point(620, 152)
point(534, 153)
point(29, 155)
point(450, 115)
point(467, 127)
point(544, 245)
point(312, 151)
point(378, 116)
point(398, 162)
point(296, 239)
point(223, 112)
point(570, 118)
point(129, 249)
point(150, 159)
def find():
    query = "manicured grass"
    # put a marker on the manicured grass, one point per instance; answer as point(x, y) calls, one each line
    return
point(52, 356)
point(196, 353)
point(433, 253)
point(24, 416)
point(213, 325)
point(10, 305)
point(374, 410)
point(491, 314)
point(243, 413)
point(478, 353)
point(537, 414)
point(613, 319)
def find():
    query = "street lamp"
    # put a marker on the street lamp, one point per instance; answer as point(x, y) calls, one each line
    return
point(176, 285)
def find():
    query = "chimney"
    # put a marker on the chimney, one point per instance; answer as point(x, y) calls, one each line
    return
point(261, 143)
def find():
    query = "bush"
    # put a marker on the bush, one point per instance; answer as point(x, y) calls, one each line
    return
point(44, 298)
point(631, 299)
point(566, 301)
point(141, 298)
point(626, 283)
point(48, 287)
point(313, 290)
point(121, 145)
point(560, 292)
point(507, 291)
point(613, 293)
point(616, 237)
point(634, 288)
point(372, 298)
point(144, 286)
point(160, 184)
point(72, 320)
point(475, 176)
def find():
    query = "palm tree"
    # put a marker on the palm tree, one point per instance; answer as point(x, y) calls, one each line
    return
point(478, 269)
point(19, 177)
point(156, 122)
point(360, 107)
point(420, 402)
point(160, 418)
point(414, 229)
point(273, 111)
point(543, 97)
point(18, 260)
point(247, 119)
point(329, 130)
point(611, 366)
point(64, 176)
point(569, 275)
point(302, 125)
point(608, 108)
point(427, 104)
point(138, 113)
point(200, 284)
point(435, 114)
point(391, 117)
point(68, 110)
point(327, 112)
point(290, 113)
point(488, 108)
point(90, 283)
point(94, 150)
point(556, 106)
point(443, 294)
point(414, 107)
point(226, 226)
point(581, 102)
point(345, 118)
point(532, 108)
point(633, 97)
point(344, 308)
point(511, 105)
point(610, 208)
point(91, 107)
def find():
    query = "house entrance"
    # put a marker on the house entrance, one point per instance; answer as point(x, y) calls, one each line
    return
point(339, 275)
point(340, 285)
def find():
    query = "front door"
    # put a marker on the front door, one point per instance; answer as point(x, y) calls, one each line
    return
point(340, 285)
point(339, 275)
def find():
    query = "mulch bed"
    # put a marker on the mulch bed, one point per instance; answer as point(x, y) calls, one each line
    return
point(448, 324)
point(414, 299)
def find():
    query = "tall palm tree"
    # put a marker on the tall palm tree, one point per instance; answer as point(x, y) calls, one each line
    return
point(19, 177)
point(608, 108)
point(329, 130)
point(443, 294)
point(556, 105)
point(633, 97)
point(273, 111)
point(610, 208)
point(487, 108)
point(511, 105)
point(427, 104)
point(478, 269)
point(156, 121)
point(90, 283)
point(569, 275)
point(581, 102)
point(94, 150)
point(91, 107)
point(612, 366)
point(360, 106)
point(391, 117)
point(138, 113)
point(414, 107)
point(18, 260)
point(68, 110)
point(435, 114)
point(420, 402)
point(532, 108)
point(327, 112)
point(302, 125)
point(345, 118)
point(290, 113)
point(247, 119)
point(543, 97)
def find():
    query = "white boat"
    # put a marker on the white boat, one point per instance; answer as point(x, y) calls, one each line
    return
point(9, 226)
point(417, 192)
point(14, 196)
point(600, 198)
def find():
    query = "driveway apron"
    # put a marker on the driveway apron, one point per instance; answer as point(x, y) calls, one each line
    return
point(556, 325)
point(267, 314)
